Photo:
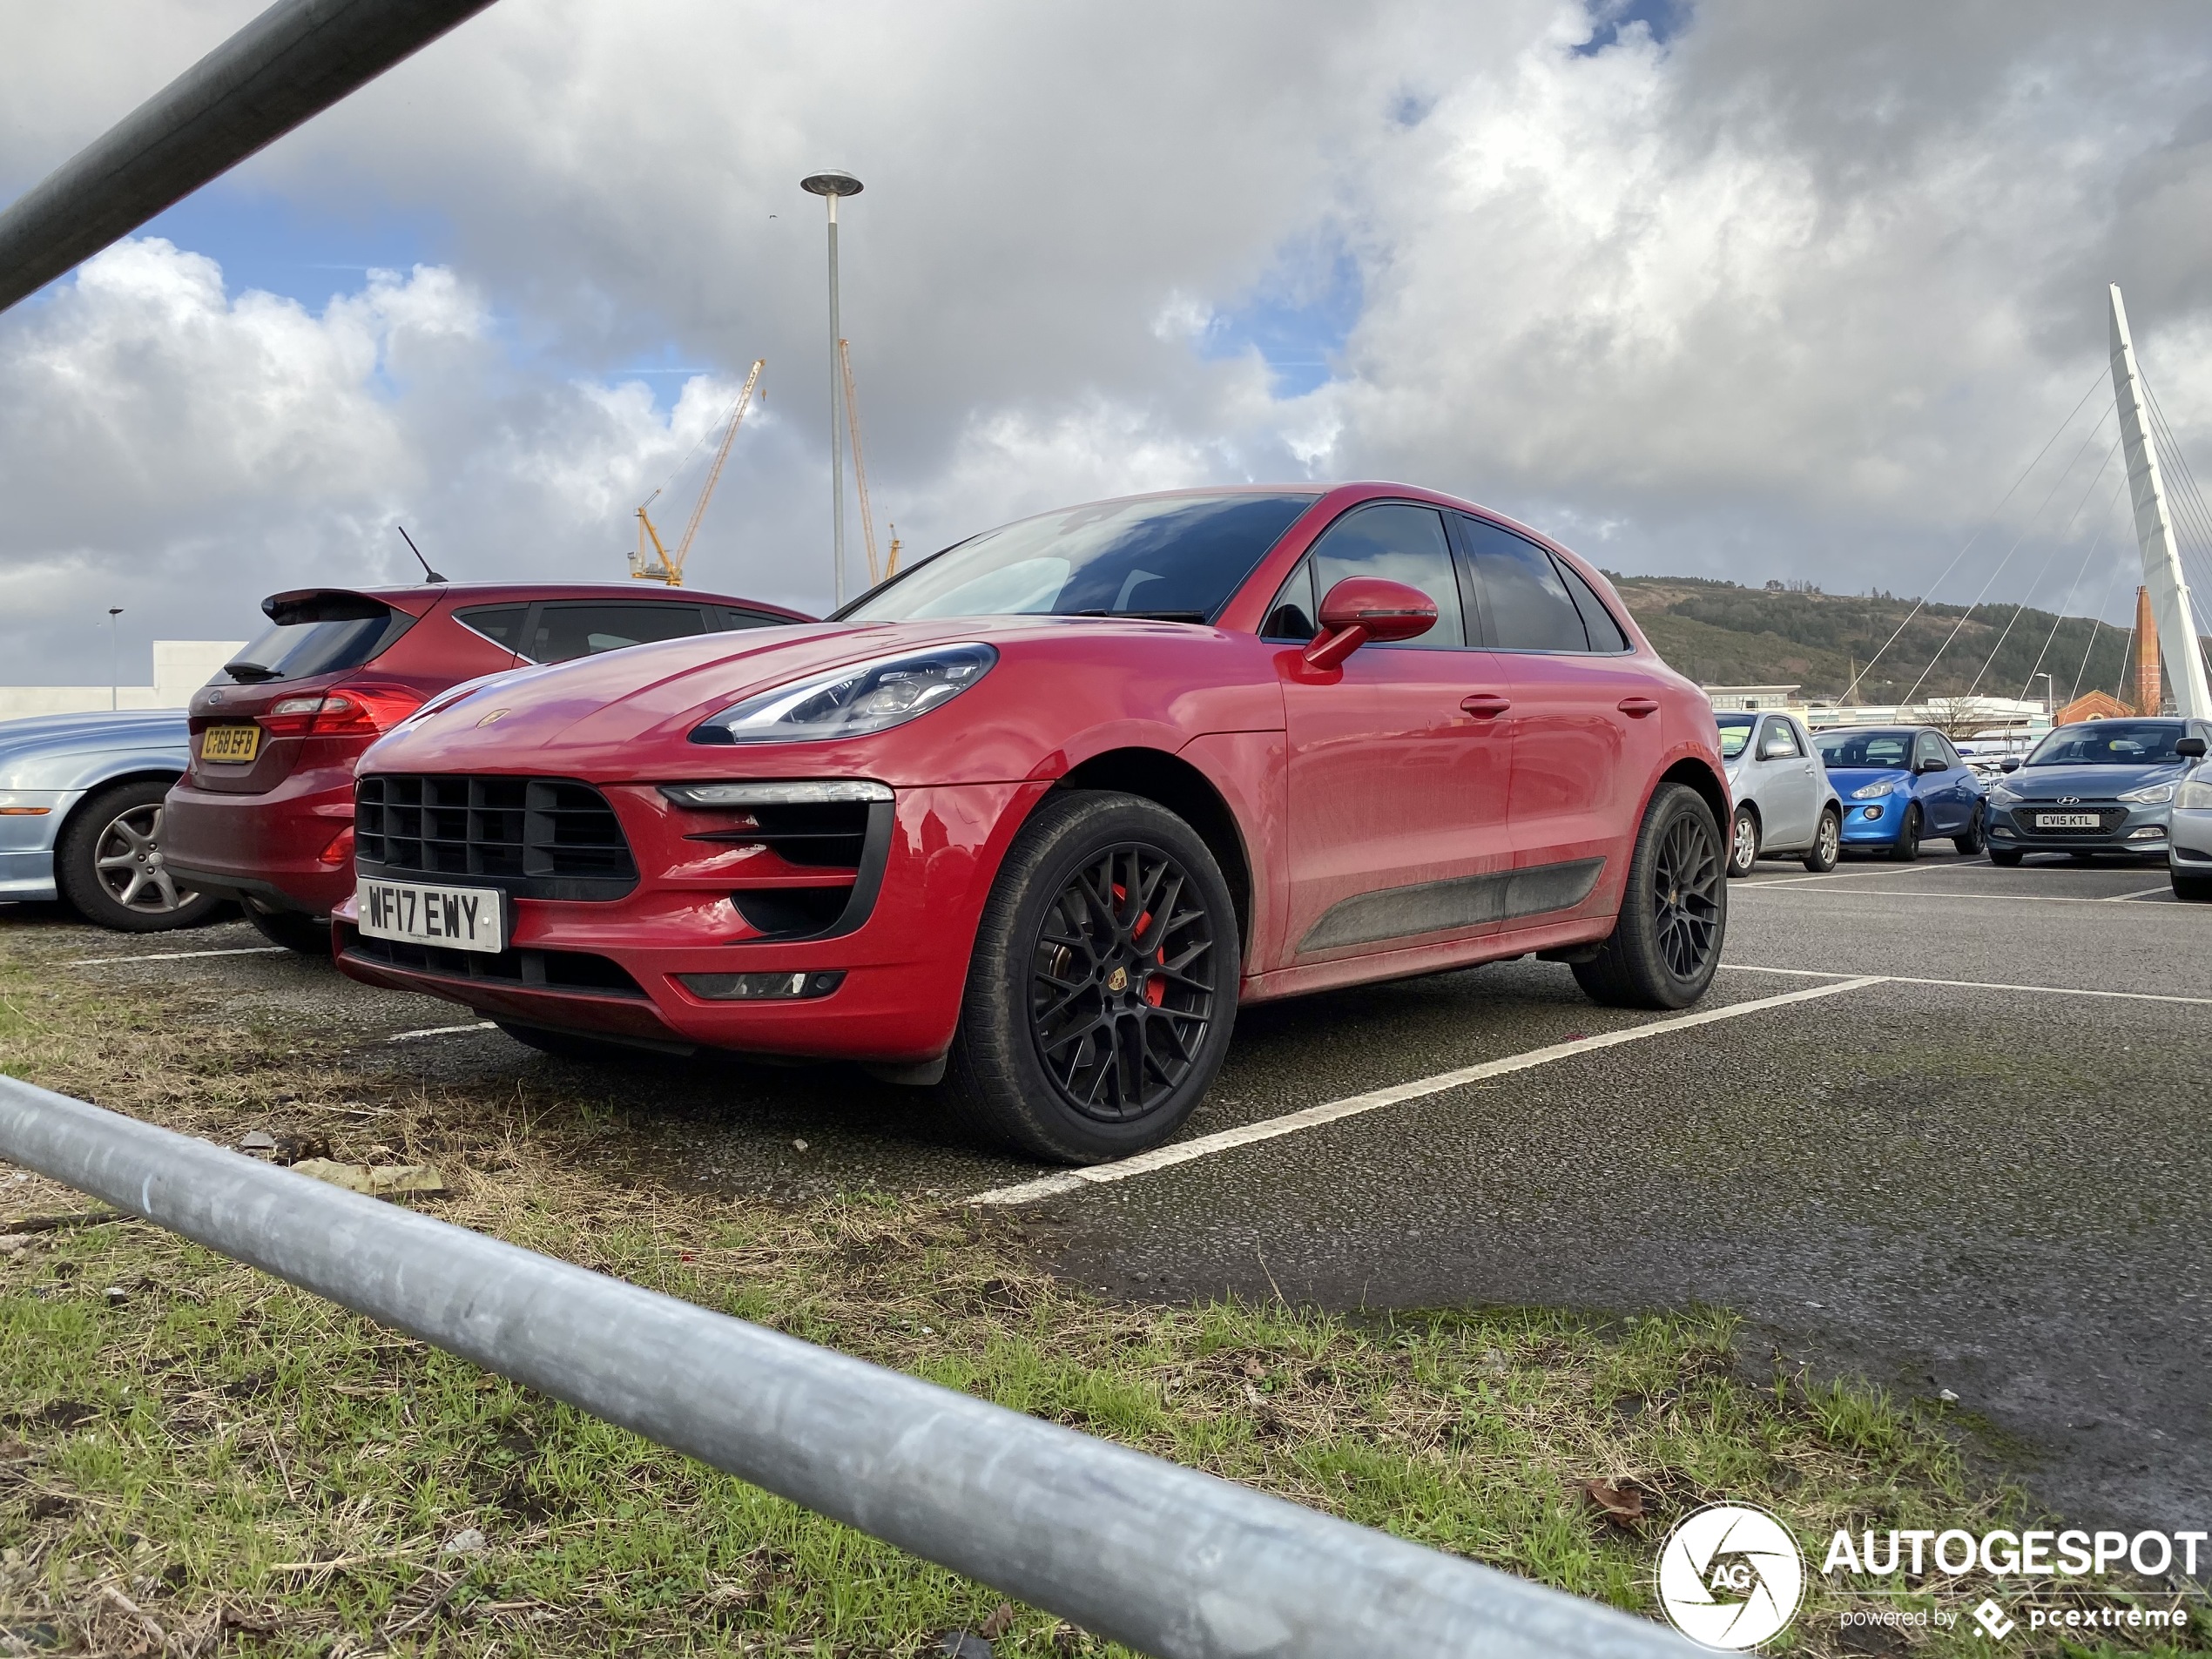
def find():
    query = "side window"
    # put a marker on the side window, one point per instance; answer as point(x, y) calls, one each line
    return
point(1399, 543)
point(729, 619)
point(1928, 747)
point(1605, 633)
point(501, 624)
point(1292, 616)
point(584, 629)
point(1779, 742)
point(1951, 756)
point(1527, 604)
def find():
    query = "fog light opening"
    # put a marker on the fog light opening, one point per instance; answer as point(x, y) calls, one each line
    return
point(2149, 832)
point(1873, 814)
point(799, 987)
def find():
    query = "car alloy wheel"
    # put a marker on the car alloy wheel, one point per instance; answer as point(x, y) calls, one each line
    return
point(1665, 946)
point(1123, 988)
point(1827, 844)
point(1906, 847)
point(1744, 842)
point(1685, 898)
point(1976, 838)
point(1102, 988)
point(110, 863)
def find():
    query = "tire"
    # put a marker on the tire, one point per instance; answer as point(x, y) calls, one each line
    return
point(2188, 888)
point(565, 1045)
point(1060, 962)
point(110, 865)
point(2005, 858)
point(2082, 858)
point(1906, 847)
point(1743, 841)
point(1665, 948)
point(1974, 841)
point(294, 929)
point(1827, 842)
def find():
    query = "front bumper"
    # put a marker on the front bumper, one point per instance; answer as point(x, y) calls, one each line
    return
point(2140, 832)
point(28, 839)
point(1874, 823)
point(616, 968)
point(289, 848)
point(2189, 841)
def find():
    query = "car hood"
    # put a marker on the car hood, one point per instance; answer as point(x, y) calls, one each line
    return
point(1847, 779)
point(2089, 783)
point(27, 745)
point(599, 706)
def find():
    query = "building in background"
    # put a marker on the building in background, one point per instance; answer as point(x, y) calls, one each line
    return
point(181, 667)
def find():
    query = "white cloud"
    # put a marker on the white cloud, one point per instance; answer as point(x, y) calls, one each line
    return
point(1796, 293)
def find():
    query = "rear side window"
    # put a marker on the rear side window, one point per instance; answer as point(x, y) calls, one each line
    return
point(587, 627)
point(728, 618)
point(501, 624)
point(323, 634)
point(1605, 633)
point(1399, 543)
point(1528, 605)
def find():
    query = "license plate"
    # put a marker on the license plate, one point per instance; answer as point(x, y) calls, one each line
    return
point(458, 918)
point(230, 743)
point(2068, 820)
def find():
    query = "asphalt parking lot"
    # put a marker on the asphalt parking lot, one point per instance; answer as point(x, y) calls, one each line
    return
point(1941, 1125)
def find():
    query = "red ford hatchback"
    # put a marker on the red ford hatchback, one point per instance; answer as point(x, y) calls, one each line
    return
point(265, 813)
point(1034, 817)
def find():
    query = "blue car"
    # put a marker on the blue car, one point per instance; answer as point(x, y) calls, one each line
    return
point(80, 816)
point(2094, 786)
point(1901, 785)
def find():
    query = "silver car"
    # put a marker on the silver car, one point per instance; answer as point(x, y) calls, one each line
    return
point(1786, 807)
point(2189, 834)
point(80, 816)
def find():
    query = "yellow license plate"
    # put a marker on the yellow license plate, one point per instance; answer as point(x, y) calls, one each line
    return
point(230, 743)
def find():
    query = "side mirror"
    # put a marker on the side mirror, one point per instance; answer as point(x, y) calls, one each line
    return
point(2010, 762)
point(2192, 747)
point(1361, 610)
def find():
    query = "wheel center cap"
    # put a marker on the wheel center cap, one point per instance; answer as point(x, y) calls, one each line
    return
point(1118, 980)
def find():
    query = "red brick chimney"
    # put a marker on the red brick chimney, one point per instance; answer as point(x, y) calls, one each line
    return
point(2149, 688)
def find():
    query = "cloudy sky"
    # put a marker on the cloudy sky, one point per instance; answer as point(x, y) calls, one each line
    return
point(1723, 288)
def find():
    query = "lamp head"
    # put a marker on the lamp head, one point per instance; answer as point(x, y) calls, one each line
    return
point(832, 183)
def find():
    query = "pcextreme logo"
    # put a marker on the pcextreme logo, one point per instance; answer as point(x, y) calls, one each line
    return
point(1730, 1577)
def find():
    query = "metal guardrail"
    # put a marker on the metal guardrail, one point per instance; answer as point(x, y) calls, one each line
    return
point(295, 59)
point(1170, 1560)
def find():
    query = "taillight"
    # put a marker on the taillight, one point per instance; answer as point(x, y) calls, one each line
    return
point(357, 712)
point(340, 850)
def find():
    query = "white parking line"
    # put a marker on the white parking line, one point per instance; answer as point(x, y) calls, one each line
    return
point(1861, 875)
point(1989, 898)
point(178, 955)
point(2122, 898)
point(1351, 1106)
point(443, 1031)
point(1981, 984)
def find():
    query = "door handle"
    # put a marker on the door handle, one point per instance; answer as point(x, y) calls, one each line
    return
point(1638, 707)
point(1485, 706)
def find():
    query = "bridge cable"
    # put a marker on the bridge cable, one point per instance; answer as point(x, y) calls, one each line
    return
point(2036, 586)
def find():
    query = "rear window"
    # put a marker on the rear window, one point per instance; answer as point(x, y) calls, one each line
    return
point(322, 634)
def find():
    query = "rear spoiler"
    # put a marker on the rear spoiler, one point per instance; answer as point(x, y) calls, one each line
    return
point(341, 604)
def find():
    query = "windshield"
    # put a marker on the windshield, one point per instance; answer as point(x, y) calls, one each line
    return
point(1736, 732)
point(1891, 750)
point(1174, 556)
point(2110, 743)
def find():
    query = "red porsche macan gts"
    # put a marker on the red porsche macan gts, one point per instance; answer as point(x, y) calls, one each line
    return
point(1036, 816)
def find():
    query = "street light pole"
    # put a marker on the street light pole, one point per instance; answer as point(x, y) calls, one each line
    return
point(114, 658)
point(830, 186)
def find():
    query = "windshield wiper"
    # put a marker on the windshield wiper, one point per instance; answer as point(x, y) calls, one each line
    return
point(1147, 616)
point(250, 673)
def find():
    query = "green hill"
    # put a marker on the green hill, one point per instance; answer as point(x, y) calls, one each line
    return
point(1721, 634)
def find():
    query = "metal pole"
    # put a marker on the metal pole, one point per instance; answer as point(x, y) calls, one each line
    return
point(837, 428)
point(297, 58)
point(1162, 1558)
point(2168, 589)
point(114, 658)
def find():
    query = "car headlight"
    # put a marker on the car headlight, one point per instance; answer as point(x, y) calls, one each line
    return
point(855, 701)
point(2195, 795)
point(2000, 796)
point(2149, 795)
point(1874, 791)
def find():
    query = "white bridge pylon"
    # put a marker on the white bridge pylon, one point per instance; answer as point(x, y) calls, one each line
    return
point(2169, 592)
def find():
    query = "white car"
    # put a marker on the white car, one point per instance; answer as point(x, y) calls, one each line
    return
point(1786, 807)
point(2188, 834)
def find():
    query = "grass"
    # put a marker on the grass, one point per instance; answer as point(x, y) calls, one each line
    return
point(195, 1458)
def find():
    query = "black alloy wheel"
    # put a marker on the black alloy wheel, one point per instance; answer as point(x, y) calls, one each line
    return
point(2005, 858)
point(294, 929)
point(1976, 839)
point(1122, 989)
point(1102, 988)
point(1665, 946)
point(1906, 847)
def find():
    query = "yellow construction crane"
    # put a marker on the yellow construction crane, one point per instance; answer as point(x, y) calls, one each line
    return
point(667, 567)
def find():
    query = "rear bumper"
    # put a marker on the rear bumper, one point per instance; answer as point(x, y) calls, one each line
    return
point(269, 846)
point(904, 968)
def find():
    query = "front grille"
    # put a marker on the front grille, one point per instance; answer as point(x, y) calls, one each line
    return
point(537, 838)
point(2028, 813)
point(823, 834)
point(537, 970)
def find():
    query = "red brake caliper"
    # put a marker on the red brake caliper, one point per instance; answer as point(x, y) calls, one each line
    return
point(1156, 988)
